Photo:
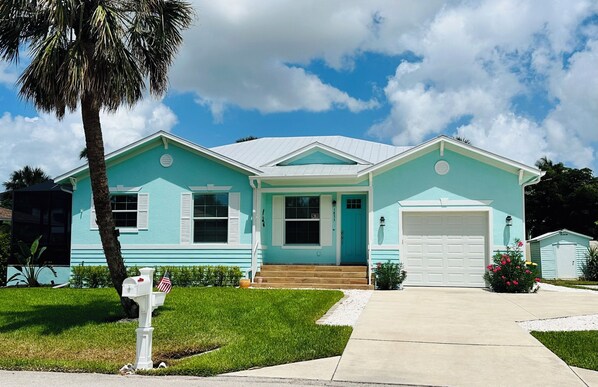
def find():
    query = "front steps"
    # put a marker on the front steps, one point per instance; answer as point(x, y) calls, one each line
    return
point(312, 276)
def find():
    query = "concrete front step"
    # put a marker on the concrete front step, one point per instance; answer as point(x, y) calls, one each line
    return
point(315, 286)
point(311, 274)
point(315, 280)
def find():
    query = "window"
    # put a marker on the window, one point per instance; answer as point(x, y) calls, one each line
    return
point(353, 204)
point(302, 220)
point(210, 218)
point(124, 210)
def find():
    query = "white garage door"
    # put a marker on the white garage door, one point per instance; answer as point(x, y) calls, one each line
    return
point(445, 249)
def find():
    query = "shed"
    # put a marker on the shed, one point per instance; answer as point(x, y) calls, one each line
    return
point(559, 254)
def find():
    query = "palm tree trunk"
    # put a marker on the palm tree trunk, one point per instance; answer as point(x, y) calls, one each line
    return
point(90, 113)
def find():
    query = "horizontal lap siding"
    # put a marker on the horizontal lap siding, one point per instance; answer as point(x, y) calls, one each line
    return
point(580, 258)
point(154, 257)
point(382, 256)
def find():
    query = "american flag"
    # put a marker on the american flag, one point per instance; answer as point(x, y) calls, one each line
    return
point(165, 285)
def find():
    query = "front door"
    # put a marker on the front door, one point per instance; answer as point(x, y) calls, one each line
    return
point(565, 260)
point(353, 230)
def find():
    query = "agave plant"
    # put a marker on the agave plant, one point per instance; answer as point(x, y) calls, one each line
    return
point(30, 265)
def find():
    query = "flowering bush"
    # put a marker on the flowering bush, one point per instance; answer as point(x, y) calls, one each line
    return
point(389, 276)
point(510, 273)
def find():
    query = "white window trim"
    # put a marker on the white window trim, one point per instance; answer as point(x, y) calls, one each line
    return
point(194, 218)
point(128, 230)
point(314, 246)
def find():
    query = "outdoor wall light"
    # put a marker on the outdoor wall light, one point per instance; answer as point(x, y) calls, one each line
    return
point(334, 203)
point(509, 220)
point(382, 221)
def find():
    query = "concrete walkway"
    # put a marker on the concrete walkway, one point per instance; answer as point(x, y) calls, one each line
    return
point(454, 337)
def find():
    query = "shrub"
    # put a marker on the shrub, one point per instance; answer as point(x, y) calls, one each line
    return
point(590, 267)
point(30, 264)
point(181, 276)
point(510, 273)
point(389, 276)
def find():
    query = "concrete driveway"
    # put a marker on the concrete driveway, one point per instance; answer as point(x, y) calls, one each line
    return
point(458, 337)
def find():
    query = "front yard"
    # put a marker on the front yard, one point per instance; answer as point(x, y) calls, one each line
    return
point(577, 349)
point(78, 330)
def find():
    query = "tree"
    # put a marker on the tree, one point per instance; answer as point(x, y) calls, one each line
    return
point(564, 198)
point(248, 138)
point(83, 154)
point(96, 55)
point(22, 178)
point(462, 139)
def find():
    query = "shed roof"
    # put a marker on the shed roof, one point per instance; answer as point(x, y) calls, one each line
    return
point(563, 231)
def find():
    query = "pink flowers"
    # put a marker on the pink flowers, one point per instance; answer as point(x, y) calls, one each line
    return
point(503, 263)
point(518, 267)
point(537, 280)
point(490, 267)
point(515, 283)
point(503, 277)
point(519, 244)
point(527, 271)
point(505, 256)
point(509, 260)
point(508, 283)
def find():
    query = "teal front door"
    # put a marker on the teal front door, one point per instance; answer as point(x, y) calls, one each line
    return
point(353, 230)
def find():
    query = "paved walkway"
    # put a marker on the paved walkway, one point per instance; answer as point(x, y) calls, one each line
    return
point(454, 337)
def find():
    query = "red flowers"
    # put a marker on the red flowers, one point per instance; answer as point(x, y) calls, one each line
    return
point(508, 283)
point(527, 271)
point(519, 244)
point(503, 263)
point(515, 283)
point(509, 260)
point(537, 280)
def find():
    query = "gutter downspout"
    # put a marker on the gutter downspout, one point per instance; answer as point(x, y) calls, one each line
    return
point(370, 224)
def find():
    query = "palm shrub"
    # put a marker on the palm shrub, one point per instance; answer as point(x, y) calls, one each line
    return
point(590, 267)
point(389, 276)
point(510, 273)
point(30, 264)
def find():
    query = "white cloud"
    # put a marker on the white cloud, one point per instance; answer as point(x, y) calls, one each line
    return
point(54, 145)
point(479, 56)
point(8, 74)
point(246, 53)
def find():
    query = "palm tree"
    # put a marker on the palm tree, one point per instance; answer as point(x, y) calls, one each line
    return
point(21, 178)
point(462, 139)
point(96, 54)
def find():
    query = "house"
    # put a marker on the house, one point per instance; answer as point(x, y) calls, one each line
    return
point(5, 215)
point(559, 254)
point(441, 207)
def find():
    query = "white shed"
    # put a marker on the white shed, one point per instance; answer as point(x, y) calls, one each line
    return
point(559, 254)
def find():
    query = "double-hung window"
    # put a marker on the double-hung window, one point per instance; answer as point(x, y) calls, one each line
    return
point(210, 218)
point(302, 220)
point(124, 210)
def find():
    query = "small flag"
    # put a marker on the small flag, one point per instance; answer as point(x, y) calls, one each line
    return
point(165, 285)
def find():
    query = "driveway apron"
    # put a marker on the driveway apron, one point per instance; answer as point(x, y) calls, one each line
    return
point(458, 337)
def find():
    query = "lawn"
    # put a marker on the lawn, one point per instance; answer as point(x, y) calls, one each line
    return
point(577, 349)
point(573, 283)
point(78, 330)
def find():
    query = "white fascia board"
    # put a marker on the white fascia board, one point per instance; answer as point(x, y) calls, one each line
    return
point(478, 154)
point(316, 145)
point(168, 136)
point(563, 231)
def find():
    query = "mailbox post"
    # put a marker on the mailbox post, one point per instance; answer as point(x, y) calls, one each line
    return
point(139, 289)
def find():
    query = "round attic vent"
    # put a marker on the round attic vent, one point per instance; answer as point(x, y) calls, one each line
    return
point(166, 160)
point(442, 167)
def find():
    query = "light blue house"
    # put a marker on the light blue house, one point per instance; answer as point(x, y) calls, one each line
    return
point(560, 254)
point(440, 207)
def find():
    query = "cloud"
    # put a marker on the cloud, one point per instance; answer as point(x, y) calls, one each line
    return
point(252, 54)
point(477, 58)
point(54, 145)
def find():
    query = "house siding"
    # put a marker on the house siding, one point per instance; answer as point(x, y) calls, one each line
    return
point(164, 186)
point(468, 179)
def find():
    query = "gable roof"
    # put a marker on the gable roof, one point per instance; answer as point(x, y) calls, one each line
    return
point(315, 147)
point(164, 137)
point(563, 231)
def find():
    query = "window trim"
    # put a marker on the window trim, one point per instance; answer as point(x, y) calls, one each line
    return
point(194, 218)
point(318, 219)
point(127, 230)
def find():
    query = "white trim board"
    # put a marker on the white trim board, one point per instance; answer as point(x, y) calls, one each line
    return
point(210, 187)
point(297, 154)
point(292, 190)
point(444, 202)
point(167, 247)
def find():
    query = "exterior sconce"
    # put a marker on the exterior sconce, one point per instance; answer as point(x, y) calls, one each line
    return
point(334, 203)
point(382, 221)
point(509, 220)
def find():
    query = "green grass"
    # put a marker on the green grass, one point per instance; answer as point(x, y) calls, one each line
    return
point(571, 283)
point(76, 330)
point(577, 349)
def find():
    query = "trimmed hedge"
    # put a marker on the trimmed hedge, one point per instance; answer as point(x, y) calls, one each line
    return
point(183, 276)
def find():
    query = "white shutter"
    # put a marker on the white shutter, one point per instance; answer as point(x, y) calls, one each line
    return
point(326, 220)
point(277, 220)
point(92, 216)
point(234, 207)
point(143, 211)
point(186, 212)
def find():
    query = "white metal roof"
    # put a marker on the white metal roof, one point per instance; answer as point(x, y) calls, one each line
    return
point(263, 151)
point(553, 233)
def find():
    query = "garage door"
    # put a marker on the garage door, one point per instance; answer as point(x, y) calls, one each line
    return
point(445, 249)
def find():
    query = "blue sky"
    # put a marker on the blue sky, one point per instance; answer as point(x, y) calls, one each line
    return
point(516, 78)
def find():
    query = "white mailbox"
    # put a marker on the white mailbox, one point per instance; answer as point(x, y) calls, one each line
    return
point(134, 287)
point(139, 289)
